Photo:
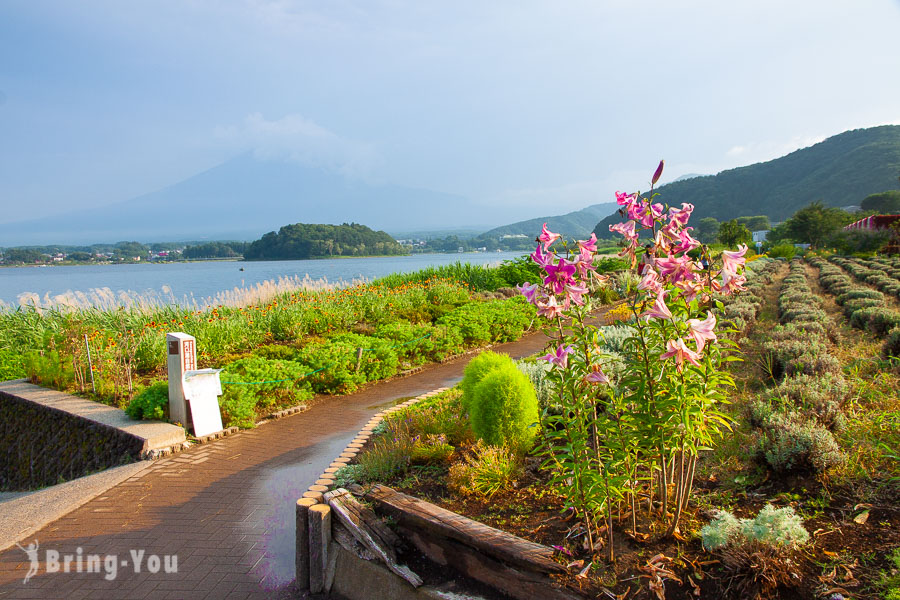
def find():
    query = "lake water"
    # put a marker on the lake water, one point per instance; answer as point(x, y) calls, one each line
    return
point(206, 279)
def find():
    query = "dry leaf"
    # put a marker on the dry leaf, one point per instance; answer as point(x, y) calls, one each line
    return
point(832, 554)
point(575, 564)
point(861, 518)
point(584, 571)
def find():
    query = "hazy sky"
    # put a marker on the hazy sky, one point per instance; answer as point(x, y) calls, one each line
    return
point(545, 106)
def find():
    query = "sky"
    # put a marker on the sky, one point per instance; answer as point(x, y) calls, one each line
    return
point(541, 106)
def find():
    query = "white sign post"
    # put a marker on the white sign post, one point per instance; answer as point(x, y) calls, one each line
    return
point(202, 390)
point(188, 385)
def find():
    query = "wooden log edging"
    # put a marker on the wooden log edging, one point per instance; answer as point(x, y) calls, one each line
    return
point(312, 570)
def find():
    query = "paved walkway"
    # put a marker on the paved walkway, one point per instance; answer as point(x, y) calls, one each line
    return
point(225, 509)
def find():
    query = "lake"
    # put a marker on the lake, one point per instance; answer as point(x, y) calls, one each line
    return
point(202, 280)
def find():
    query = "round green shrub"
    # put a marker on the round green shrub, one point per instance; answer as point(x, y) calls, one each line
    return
point(851, 306)
point(476, 370)
point(504, 409)
point(152, 403)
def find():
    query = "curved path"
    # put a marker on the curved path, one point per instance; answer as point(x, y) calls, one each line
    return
point(225, 509)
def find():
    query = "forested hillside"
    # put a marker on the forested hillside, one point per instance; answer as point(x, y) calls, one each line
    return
point(839, 171)
point(303, 240)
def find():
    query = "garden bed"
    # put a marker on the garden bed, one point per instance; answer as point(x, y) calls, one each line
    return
point(850, 507)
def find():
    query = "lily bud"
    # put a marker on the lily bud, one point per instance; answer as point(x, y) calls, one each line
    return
point(658, 173)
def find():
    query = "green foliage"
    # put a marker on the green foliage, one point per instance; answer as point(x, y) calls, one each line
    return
point(390, 454)
point(814, 224)
point(487, 471)
point(485, 322)
point(477, 369)
point(847, 166)
point(885, 203)
point(891, 347)
point(536, 372)
point(788, 443)
point(151, 403)
point(285, 385)
point(441, 415)
point(889, 581)
point(215, 250)
point(875, 319)
point(301, 240)
point(732, 233)
point(757, 223)
point(707, 230)
point(504, 409)
point(786, 251)
point(12, 365)
point(772, 527)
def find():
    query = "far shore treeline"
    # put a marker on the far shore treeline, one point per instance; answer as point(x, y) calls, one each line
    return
point(302, 241)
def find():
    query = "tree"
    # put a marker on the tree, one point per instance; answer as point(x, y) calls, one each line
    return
point(732, 233)
point(707, 230)
point(758, 223)
point(885, 203)
point(816, 223)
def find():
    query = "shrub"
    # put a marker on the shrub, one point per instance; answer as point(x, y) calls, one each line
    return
point(487, 471)
point(788, 444)
point(875, 319)
point(813, 363)
point(891, 347)
point(504, 409)
point(389, 455)
point(151, 403)
point(821, 395)
point(12, 365)
point(786, 251)
point(536, 371)
point(857, 293)
point(441, 415)
point(477, 369)
point(851, 306)
point(773, 527)
point(430, 449)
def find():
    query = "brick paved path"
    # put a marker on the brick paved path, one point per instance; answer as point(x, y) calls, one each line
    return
point(225, 508)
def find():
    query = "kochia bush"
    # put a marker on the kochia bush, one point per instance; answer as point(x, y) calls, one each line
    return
point(477, 369)
point(504, 409)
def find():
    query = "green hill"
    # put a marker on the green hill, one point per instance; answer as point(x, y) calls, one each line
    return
point(839, 171)
point(301, 240)
point(577, 224)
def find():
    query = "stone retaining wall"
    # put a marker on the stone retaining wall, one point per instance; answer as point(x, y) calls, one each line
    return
point(44, 440)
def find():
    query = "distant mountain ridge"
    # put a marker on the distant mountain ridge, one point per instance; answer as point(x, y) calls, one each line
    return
point(576, 224)
point(839, 171)
point(243, 198)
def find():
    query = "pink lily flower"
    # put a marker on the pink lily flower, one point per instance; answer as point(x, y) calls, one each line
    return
point(528, 290)
point(626, 229)
point(547, 236)
point(559, 275)
point(650, 282)
point(550, 309)
point(675, 269)
point(681, 353)
point(680, 216)
point(596, 375)
point(589, 245)
point(690, 288)
point(574, 293)
point(584, 263)
point(703, 330)
point(540, 258)
point(687, 243)
point(559, 358)
point(623, 199)
point(731, 260)
point(731, 283)
point(659, 310)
